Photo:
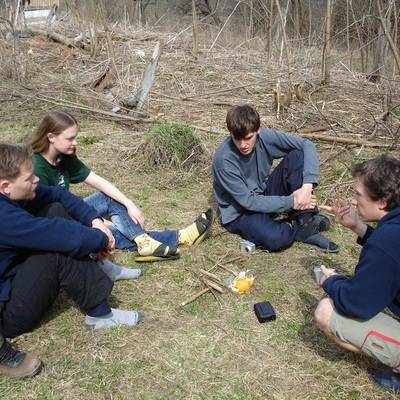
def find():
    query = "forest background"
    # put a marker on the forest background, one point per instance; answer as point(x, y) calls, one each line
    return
point(150, 83)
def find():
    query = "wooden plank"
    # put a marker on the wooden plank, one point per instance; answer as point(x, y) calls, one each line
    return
point(148, 78)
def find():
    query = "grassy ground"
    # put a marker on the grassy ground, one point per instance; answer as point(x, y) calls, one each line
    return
point(214, 347)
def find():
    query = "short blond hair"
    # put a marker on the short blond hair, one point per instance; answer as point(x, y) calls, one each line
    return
point(12, 156)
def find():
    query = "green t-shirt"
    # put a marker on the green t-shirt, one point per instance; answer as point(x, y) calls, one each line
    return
point(69, 170)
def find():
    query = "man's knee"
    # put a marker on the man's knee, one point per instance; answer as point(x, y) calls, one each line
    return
point(323, 314)
point(54, 210)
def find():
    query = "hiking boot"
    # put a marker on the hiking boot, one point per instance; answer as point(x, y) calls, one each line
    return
point(16, 364)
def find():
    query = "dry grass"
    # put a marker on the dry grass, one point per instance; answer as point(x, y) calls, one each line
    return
point(213, 348)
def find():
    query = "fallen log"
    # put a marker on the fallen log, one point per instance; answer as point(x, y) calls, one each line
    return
point(56, 37)
point(342, 140)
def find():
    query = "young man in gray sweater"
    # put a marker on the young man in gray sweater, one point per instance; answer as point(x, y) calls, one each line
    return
point(249, 196)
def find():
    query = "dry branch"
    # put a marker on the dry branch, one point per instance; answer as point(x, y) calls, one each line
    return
point(56, 37)
point(317, 128)
point(195, 296)
point(210, 275)
point(336, 139)
point(212, 284)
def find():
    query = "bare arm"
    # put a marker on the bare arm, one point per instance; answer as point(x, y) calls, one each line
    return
point(110, 190)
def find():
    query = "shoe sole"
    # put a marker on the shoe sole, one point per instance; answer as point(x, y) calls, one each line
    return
point(204, 234)
point(153, 258)
point(313, 246)
point(34, 372)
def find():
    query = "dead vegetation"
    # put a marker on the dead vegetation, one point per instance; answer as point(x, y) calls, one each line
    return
point(208, 348)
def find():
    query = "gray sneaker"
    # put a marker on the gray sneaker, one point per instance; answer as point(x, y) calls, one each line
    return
point(16, 364)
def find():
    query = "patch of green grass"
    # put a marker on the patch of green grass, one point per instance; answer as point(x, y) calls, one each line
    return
point(172, 145)
point(88, 140)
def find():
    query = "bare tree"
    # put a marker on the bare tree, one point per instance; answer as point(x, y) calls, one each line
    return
point(296, 6)
point(195, 28)
point(326, 53)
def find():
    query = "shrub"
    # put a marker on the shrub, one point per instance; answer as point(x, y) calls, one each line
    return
point(172, 144)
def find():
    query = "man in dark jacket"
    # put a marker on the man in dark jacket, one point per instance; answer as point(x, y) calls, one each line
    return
point(354, 314)
point(46, 237)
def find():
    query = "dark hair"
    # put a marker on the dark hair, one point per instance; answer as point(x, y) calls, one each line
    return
point(242, 120)
point(381, 179)
point(12, 157)
point(54, 122)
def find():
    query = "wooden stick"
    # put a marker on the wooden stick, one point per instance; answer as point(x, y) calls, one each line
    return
point(212, 284)
point(227, 269)
point(342, 140)
point(317, 128)
point(196, 296)
point(210, 275)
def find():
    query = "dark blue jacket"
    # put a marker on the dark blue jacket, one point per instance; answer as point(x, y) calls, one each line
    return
point(21, 232)
point(375, 284)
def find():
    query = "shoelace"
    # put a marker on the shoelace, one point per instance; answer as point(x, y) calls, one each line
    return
point(8, 353)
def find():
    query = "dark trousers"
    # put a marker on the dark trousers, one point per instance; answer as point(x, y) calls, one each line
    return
point(261, 228)
point(40, 277)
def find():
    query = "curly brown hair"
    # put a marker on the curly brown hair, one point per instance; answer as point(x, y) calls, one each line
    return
point(381, 179)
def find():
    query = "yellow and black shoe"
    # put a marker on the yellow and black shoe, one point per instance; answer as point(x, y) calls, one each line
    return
point(197, 232)
point(151, 250)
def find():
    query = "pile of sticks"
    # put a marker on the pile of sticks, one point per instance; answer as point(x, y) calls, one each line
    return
point(211, 281)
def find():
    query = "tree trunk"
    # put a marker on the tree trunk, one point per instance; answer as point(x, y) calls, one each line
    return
point(195, 28)
point(359, 38)
point(296, 6)
point(379, 55)
point(326, 55)
point(285, 42)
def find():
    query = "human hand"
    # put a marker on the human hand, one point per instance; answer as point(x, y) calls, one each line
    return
point(136, 215)
point(102, 255)
point(344, 214)
point(326, 273)
point(99, 224)
point(108, 223)
point(304, 199)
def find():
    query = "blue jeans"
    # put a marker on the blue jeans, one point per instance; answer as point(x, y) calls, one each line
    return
point(260, 228)
point(125, 230)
